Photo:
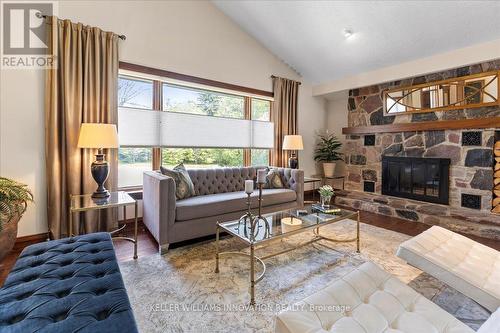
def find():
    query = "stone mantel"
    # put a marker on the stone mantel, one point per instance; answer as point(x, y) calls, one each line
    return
point(493, 122)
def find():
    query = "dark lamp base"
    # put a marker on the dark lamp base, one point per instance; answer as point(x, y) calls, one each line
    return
point(100, 195)
point(100, 172)
point(293, 162)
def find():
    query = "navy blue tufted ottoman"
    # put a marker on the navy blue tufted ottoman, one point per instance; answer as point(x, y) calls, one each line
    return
point(67, 285)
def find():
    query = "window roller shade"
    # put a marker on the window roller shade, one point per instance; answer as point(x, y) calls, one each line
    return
point(171, 129)
point(139, 128)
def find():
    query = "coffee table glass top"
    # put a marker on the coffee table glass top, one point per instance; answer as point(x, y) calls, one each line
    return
point(281, 224)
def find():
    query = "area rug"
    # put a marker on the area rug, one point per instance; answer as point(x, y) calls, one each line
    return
point(179, 292)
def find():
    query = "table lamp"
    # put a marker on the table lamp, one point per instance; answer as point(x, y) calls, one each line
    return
point(293, 142)
point(98, 136)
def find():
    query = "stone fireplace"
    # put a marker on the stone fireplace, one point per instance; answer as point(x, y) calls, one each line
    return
point(468, 152)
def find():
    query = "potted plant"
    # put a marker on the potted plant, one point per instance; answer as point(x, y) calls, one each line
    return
point(14, 198)
point(327, 151)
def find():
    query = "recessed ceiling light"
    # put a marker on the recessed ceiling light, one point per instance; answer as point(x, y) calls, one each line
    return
point(347, 33)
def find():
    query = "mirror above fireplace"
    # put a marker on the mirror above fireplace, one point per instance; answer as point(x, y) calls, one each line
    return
point(463, 92)
point(424, 179)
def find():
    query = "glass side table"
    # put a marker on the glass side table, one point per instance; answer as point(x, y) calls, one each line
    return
point(85, 202)
point(313, 181)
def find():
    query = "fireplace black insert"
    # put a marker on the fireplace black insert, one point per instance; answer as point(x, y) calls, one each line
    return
point(424, 179)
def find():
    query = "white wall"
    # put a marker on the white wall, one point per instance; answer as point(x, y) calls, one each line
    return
point(461, 57)
point(336, 118)
point(188, 37)
point(22, 150)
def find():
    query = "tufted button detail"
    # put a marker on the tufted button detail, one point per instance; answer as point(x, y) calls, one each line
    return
point(66, 263)
point(61, 316)
point(99, 292)
point(16, 319)
point(63, 293)
point(30, 278)
point(24, 296)
point(35, 263)
point(102, 315)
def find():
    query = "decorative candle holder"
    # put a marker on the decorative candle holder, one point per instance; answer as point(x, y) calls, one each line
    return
point(255, 222)
point(248, 216)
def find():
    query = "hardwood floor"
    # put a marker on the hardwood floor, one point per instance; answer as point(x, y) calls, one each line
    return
point(147, 244)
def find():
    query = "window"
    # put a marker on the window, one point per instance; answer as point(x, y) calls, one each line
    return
point(132, 162)
point(202, 102)
point(261, 109)
point(260, 157)
point(158, 138)
point(201, 157)
point(135, 93)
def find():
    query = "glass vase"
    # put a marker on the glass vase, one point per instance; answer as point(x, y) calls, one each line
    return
point(325, 201)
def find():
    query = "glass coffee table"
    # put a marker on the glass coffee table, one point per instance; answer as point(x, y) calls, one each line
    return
point(276, 226)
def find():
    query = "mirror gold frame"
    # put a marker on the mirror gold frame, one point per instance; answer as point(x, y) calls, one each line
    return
point(471, 91)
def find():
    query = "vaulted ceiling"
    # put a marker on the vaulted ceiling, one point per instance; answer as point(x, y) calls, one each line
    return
point(309, 35)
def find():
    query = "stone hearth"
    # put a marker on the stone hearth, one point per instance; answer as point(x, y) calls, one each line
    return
point(483, 224)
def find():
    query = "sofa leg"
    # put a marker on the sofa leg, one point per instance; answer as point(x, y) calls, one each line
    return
point(163, 248)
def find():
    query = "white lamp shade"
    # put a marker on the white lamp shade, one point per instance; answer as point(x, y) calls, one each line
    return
point(93, 135)
point(293, 142)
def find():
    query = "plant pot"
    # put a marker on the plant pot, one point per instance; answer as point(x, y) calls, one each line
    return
point(329, 168)
point(8, 236)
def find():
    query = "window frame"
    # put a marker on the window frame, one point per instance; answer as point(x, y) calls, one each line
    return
point(136, 72)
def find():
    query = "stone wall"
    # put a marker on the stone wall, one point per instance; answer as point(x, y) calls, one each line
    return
point(365, 104)
point(471, 165)
point(470, 169)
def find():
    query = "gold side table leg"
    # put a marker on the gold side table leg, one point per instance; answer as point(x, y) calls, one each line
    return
point(70, 223)
point(357, 234)
point(217, 248)
point(252, 275)
point(124, 216)
point(135, 230)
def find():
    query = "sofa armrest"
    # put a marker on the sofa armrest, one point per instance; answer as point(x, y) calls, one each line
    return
point(295, 181)
point(159, 204)
point(298, 185)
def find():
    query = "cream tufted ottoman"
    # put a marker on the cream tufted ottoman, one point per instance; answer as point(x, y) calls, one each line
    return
point(468, 266)
point(378, 303)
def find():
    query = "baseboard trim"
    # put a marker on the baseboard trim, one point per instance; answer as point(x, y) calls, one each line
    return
point(131, 221)
point(33, 238)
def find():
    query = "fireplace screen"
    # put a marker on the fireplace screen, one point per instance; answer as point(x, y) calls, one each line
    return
point(424, 179)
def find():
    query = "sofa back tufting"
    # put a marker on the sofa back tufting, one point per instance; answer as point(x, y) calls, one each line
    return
point(223, 180)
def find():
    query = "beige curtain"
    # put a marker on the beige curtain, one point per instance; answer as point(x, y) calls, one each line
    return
point(284, 116)
point(81, 88)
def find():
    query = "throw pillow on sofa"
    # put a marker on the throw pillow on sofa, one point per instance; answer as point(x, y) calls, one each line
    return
point(184, 187)
point(273, 179)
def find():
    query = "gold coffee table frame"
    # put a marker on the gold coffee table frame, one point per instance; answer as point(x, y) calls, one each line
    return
point(229, 227)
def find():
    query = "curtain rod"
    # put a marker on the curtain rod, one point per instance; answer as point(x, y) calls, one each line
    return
point(277, 77)
point(40, 15)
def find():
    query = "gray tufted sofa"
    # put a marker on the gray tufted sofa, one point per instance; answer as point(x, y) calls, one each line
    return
point(219, 197)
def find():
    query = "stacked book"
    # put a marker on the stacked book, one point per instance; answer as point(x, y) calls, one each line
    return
point(326, 209)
